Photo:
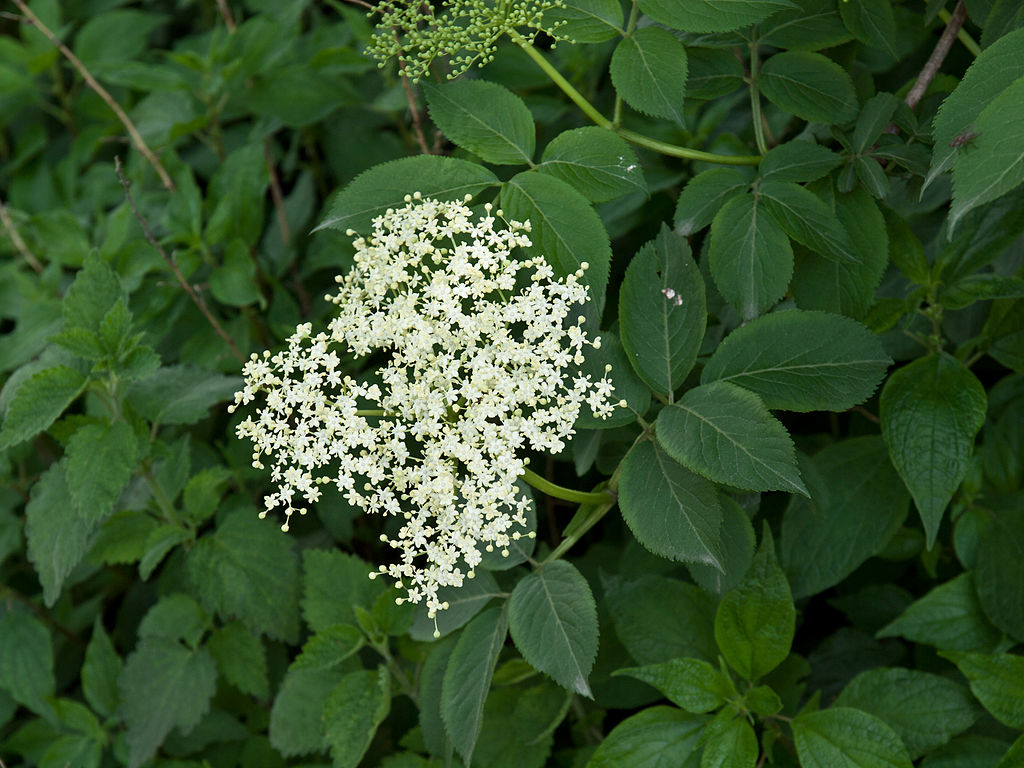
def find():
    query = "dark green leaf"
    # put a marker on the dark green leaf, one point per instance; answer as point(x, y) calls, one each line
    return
point(738, 542)
point(175, 617)
point(114, 37)
point(872, 22)
point(596, 162)
point(980, 287)
point(875, 116)
point(588, 21)
point(88, 299)
point(811, 26)
point(329, 647)
point(840, 737)
point(38, 402)
point(296, 719)
point(326, 573)
point(180, 394)
point(464, 603)
point(730, 745)
point(241, 659)
point(648, 71)
point(158, 543)
point(798, 161)
point(708, 15)
point(704, 195)
point(101, 458)
point(485, 118)
point(26, 661)
point(100, 671)
point(627, 385)
point(713, 73)
point(807, 219)
point(692, 684)
point(237, 191)
point(234, 281)
point(810, 86)
point(997, 680)
point(657, 737)
point(353, 712)
point(999, 568)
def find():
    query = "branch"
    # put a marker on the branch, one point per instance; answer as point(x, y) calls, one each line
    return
point(15, 236)
point(417, 121)
point(225, 13)
point(196, 298)
point(931, 67)
point(102, 92)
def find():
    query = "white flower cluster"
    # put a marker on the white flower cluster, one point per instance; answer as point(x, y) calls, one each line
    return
point(479, 363)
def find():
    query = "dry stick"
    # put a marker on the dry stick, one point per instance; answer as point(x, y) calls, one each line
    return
point(417, 122)
point(277, 195)
point(931, 67)
point(225, 13)
point(196, 298)
point(100, 91)
point(19, 244)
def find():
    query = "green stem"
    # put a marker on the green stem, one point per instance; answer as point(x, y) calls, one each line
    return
point(396, 671)
point(962, 35)
point(563, 493)
point(371, 412)
point(162, 501)
point(672, 150)
point(755, 99)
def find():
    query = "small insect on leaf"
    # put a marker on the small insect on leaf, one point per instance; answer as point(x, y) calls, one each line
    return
point(963, 139)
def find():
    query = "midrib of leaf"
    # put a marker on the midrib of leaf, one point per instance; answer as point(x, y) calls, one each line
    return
point(488, 128)
point(676, 497)
point(581, 678)
point(803, 86)
point(825, 235)
point(547, 219)
point(657, 84)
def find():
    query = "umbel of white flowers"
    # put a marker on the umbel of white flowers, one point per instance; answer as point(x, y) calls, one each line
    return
point(481, 363)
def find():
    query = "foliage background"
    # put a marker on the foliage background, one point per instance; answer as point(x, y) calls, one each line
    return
point(150, 618)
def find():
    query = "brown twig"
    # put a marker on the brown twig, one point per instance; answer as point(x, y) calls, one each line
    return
point(15, 236)
point(196, 298)
point(276, 195)
point(866, 414)
point(102, 92)
point(368, 6)
point(225, 13)
point(931, 67)
point(417, 120)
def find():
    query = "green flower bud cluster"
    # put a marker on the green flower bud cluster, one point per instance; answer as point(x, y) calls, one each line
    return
point(466, 31)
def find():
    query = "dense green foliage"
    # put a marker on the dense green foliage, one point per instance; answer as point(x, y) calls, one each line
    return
point(802, 542)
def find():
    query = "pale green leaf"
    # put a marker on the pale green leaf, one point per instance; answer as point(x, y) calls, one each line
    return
point(998, 682)
point(692, 684)
point(656, 737)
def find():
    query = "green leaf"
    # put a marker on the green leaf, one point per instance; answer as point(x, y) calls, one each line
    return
point(26, 661)
point(949, 617)
point(997, 680)
point(163, 686)
point(807, 219)
point(88, 299)
point(924, 710)
point(732, 745)
point(980, 287)
point(234, 281)
point(587, 21)
point(468, 678)
point(798, 161)
point(237, 191)
point(801, 361)
point(553, 622)
point(596, 162)
point(329, 647)
point(247, 569)
point(386, 185)
point(296, 719)
point(175, 617)
point(999, 568)
point(708, 15)
point(101, 458)
point(872, 22)
point(994, 164)
point(874, 117)
point(648, 70)
point(180, 394)
point(726, 434)
point(326, 573)
point(627, 385)
point(241, 659)
point(755, 622)
point(809, 86)
point(1014, 755)
point(656, 737)
point(692, 684)
point(995, 70)
point(649, 632)
point(930, 411)
point(38, 402)
point(57, 536)
point(840, 737)
point(464, 603)
point(431, 681)
point(159, 542)
point(738, 542)
point(485, 118)
point(750, 256)
point(203, 492)
point(704, 195)
point(671, 511)
point(352, 713)
point(114, 37)
point(713, 72)
point(857, 504)
point(662, 311)
point(810, 26)
point(566, 231)
point(100, 672)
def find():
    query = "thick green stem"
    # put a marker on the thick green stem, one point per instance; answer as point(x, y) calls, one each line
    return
point(755, 99)
point(371, 412)
point(565, 494)
point(664, 148)
point(587, 516)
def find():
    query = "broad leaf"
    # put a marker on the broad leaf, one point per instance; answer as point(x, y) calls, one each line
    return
point(801, 361)
point(999, 567)
point(692, 684)
point(296, 718)
point(237, 191)
point(704, 195)
point(95, 290)
point(352, 713)
point(998, 682)
point(180, 394)
point(872, 22)
point(811, 26)
point(738, 543)
point(840, 737)
point(596, 162)
point(931, 410)
point(798, 161)
point(464, 603)
point(810, 86)
point(241, 659)
point(648, 71)
point(553, 622)
point(587, 21)
point(328, 573)
point(709, 15)
point(730, 744)
point(101, 458)
point(485, 118)
point(38, 402)
point(656, 737)
point(26, 661)
point(100, 671)
point(628, 386)
point(807, 219)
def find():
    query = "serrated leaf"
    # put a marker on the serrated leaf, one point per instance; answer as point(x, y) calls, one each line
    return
point(662, 312)
point(38, 402)
point(710, 15)
point(840, 737)
point(725, 433)
point(750, 257)
point(692, 684)
point(805, 218)
point(296, 718)
point(994, 164)
point(999, 568)
point(180, 394)
point(872, 22)
point(163, 686)
point(236, 195)
point(924, 710)
point(565, 230)
point(737, 541)
point(857, 504)
point(596, 162)
point(100, 672)
point(713, 72)
point(875, 116)
point(101, 458)
point(811, 26)
point(755, 622)
point(467, 678)
point(57, 536)
point(587, 21)
point(648, 70)
point(801, 361)
point(95, 290)
point(997, 680)
point(464, 603)
point(553, 622)
point(671, 511)
point(26, 661)
point(352, 713)
point(175, 617)
point(930, 411)
point(797, 161)
point(329, 647)
point(704, 195)
point(730, 745)
point(247, 569)
point(240, 658)
point(653, 738)
point(485, 118)
point(325, 575)
point(810, 86)
point(386, 185)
